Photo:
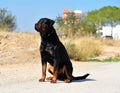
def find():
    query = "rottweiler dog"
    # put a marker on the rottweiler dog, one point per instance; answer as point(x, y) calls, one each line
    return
point(54, 52)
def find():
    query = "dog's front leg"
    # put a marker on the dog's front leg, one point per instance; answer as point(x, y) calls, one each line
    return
point(44, 66)
point(55, 73)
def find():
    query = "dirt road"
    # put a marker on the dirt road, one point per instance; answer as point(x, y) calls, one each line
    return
point(23, 78)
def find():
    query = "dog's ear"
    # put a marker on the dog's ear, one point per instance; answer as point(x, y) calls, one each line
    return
point(52, 22)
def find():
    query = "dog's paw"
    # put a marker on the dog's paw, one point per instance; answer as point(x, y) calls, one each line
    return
point(49, 78)
point(41, 80)
point(54, 80)
point(67, 81)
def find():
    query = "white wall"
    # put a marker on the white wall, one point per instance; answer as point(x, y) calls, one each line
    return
point(107, 31)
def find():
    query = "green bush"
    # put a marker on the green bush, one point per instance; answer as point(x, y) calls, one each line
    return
point(7, 21)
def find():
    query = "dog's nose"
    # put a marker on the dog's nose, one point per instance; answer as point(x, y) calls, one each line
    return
point(36, 26)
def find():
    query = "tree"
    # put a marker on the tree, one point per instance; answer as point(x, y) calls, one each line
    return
point(97, 18)
point(88, 25)
point(7, 20)
point(69, 25)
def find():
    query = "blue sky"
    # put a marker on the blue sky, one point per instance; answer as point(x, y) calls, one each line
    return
point(28, 12)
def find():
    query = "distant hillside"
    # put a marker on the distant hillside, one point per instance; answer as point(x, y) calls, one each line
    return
point(18, 47)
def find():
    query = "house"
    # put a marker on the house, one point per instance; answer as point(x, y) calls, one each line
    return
point(78, 13)
point(110, 32)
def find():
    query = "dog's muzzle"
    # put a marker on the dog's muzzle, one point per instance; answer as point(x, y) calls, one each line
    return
point(37, 27)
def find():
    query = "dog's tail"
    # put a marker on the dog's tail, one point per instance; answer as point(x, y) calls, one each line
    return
point(81, 77)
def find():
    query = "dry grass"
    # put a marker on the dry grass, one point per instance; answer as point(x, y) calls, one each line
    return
point(18, 47)
point(24, 47)
point(111, 42)
point(83, 48)
point(10, 40)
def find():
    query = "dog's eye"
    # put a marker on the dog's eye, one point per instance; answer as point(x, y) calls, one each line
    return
point(44, 25)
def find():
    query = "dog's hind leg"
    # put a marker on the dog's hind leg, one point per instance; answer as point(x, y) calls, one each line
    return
point(68, 75)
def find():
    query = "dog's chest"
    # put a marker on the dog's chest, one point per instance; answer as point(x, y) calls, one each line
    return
point(47, 48)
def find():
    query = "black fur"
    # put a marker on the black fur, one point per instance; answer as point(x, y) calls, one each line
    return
point(54, 52)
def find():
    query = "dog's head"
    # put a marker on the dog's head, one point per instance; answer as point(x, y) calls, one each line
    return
point(43, 25)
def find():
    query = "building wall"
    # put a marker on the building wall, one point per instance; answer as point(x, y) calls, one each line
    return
point(66, 11)
point(109, 31)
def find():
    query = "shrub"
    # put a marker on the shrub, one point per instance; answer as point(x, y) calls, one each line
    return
point(7, 20)
point(71, 49)
point(88, 47)
point(83, 48)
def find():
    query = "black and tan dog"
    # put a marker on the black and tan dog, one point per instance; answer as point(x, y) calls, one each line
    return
point(54, 52)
